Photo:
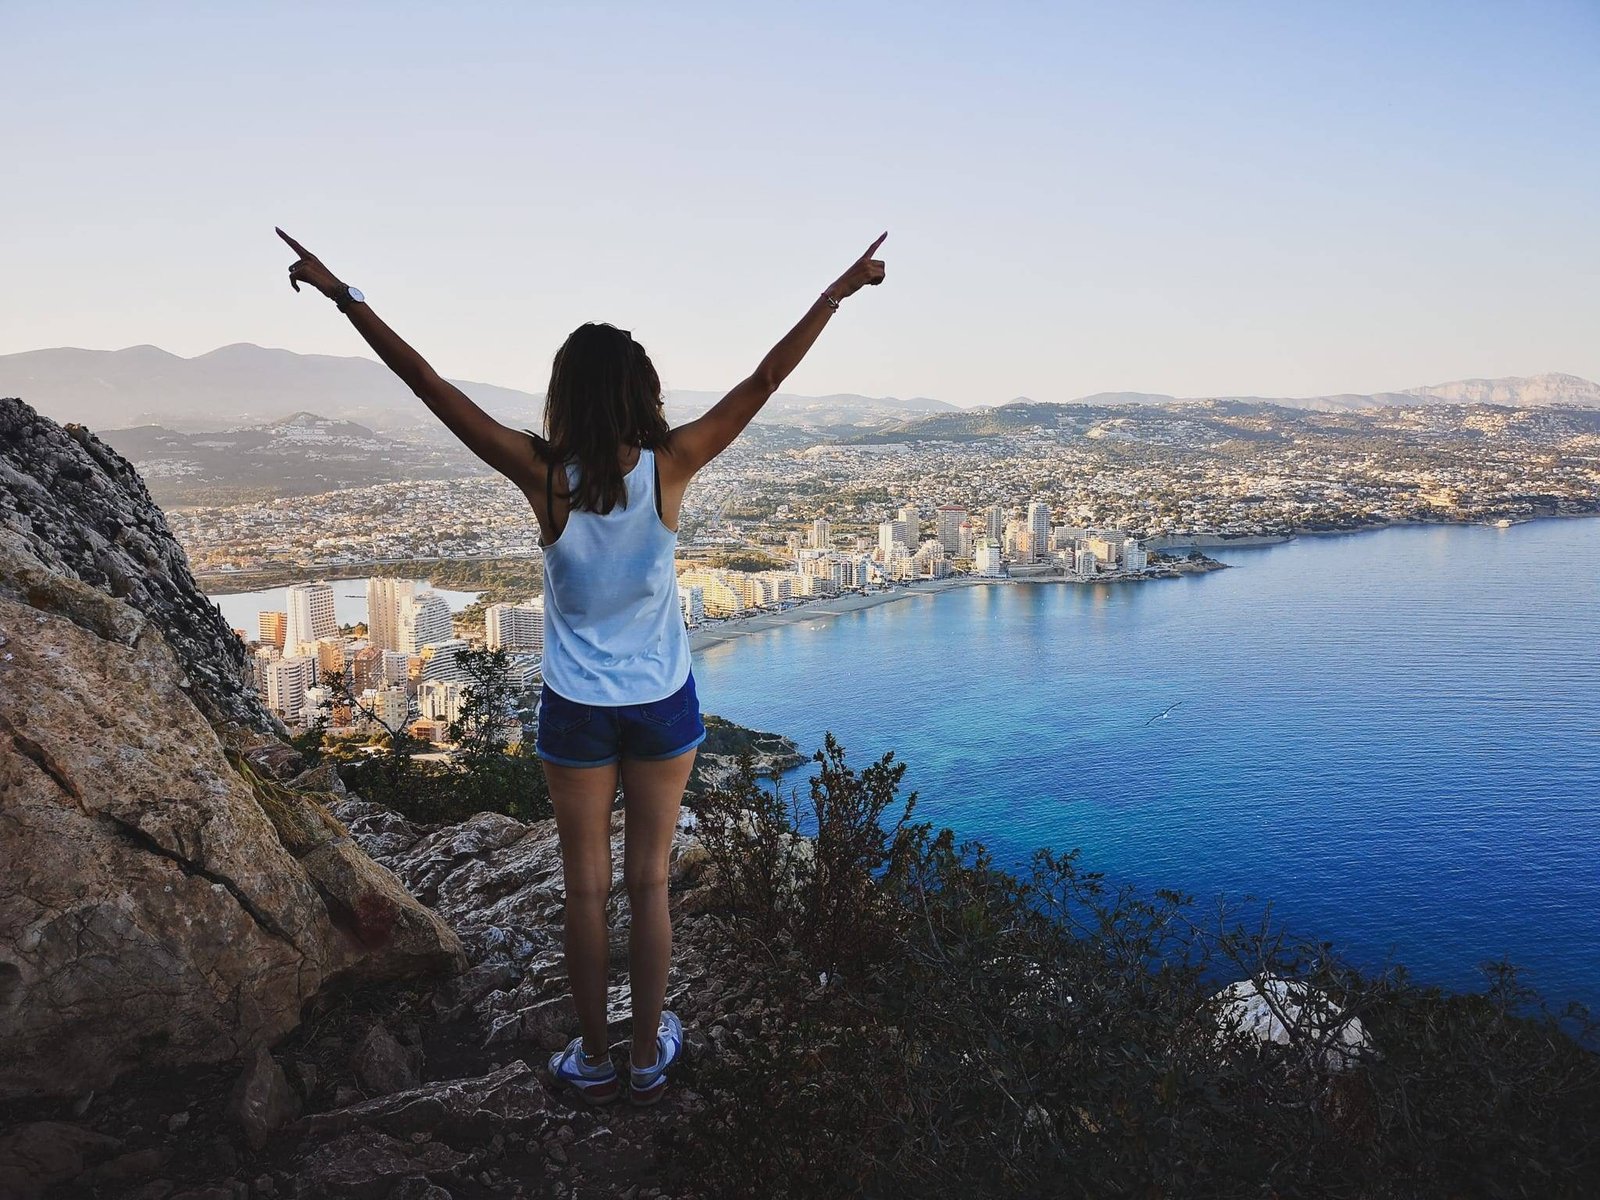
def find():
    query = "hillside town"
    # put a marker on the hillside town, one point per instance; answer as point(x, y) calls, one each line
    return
point(1079, 496)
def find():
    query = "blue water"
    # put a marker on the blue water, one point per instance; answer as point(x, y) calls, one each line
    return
point(1392, 736)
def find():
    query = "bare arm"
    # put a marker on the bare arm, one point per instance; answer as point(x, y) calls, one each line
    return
point(507, 450)
point(696, 443)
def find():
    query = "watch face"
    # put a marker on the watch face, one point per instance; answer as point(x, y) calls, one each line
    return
point(355, 295)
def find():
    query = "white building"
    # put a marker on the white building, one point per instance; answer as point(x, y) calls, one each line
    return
point(890, 535)
point(1134, 556)
point(692, 600)
point(439, 700)
point(424, 618)
point(440, 661)
point(383, 609)
point(310, 615)
point(1085, 562)
point(929, 561)
point(821, 533)
point(286, 682)
point(986, 561)
point(515, 626)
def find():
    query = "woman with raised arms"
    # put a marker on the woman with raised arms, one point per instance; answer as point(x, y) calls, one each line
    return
point(606, 482)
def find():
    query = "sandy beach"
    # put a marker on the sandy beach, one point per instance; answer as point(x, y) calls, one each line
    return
point(832, 606)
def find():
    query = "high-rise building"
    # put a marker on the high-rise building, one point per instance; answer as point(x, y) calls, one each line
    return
point(310, 614)
point(911, 520)
point(995, 524)
point(966, 538)
point(718, 596)
point(389, 706)
point(1084, 562)
point(1039, 528)
point(331, 655)
point(274, 626)
point(1134, 556)
point(440, 660)
point(515, 626)
point(383, 609)
point(821, 532)
point(286, 682)
point(424, 618)
point(888, 538)
point(692, 599)
point(947, 522)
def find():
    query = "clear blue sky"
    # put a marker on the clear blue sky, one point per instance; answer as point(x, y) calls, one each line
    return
point(1211, 198)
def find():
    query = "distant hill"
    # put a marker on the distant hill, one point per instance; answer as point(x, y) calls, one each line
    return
point(1194, 423)
point(246, 384)
point(1529, 391)
point(301, 454)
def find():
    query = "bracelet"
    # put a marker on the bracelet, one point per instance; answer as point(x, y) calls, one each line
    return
point(832, 303)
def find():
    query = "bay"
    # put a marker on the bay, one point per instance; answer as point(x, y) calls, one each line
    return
point(1392, 736)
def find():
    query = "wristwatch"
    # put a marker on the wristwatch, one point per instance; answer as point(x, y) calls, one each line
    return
point(346, 296)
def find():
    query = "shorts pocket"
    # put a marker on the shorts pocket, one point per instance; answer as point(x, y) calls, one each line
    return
point(669, 712)
point(562, 716)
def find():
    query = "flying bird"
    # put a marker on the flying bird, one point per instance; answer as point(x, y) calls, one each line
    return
point(1163, 713)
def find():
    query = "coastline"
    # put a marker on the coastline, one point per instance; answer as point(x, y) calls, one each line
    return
point(836, 606)
point(734, 628)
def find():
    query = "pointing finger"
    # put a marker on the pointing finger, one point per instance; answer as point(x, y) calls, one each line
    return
point(876, 244)
point(294, 245)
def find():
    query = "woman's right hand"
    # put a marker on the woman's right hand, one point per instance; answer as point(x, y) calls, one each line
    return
point(863, 271)
point(309, 269)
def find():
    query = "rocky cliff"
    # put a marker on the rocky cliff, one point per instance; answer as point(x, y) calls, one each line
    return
point(78, 510)
point(161, 903)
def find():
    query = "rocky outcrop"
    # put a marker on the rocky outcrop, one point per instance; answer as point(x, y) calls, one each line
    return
point(160, 905)
point(79, 508)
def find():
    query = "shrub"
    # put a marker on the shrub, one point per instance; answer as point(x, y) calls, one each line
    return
point(1055, 1036)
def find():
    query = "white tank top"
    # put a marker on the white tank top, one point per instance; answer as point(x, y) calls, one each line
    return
point(613, 626)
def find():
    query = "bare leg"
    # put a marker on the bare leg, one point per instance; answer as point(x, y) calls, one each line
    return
point(653, 794)
point(582, 799)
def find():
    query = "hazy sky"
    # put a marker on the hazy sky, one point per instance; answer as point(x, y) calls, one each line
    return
point(1197, 198)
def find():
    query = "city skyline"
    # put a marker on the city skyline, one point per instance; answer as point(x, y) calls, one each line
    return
point(1236, 201)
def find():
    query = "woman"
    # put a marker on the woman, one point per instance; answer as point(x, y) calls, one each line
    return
point(606, 482)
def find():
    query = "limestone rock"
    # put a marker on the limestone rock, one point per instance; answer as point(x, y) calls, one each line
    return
point(368, 1165)
point(163, 903)
point(80, 509)
point(459, 1111)
point(262, 1100)
point(1291, 1012)
point(382, 1065)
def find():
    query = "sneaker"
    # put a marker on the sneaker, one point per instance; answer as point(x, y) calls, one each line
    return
point(647, 1084)
point(596, 1084)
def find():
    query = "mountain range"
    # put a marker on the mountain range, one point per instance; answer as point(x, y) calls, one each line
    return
point(244, 384)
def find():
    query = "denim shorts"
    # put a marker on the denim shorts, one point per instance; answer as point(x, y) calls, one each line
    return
point(594, 735)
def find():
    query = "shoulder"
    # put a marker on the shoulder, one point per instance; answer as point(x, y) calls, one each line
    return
point(673, 462)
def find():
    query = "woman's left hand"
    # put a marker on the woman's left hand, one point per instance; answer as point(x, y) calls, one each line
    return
point(309, 269)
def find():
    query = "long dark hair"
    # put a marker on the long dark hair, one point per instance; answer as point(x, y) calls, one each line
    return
point(604, 392)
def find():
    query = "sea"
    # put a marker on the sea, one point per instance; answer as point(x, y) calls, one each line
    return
point(1391, 737)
